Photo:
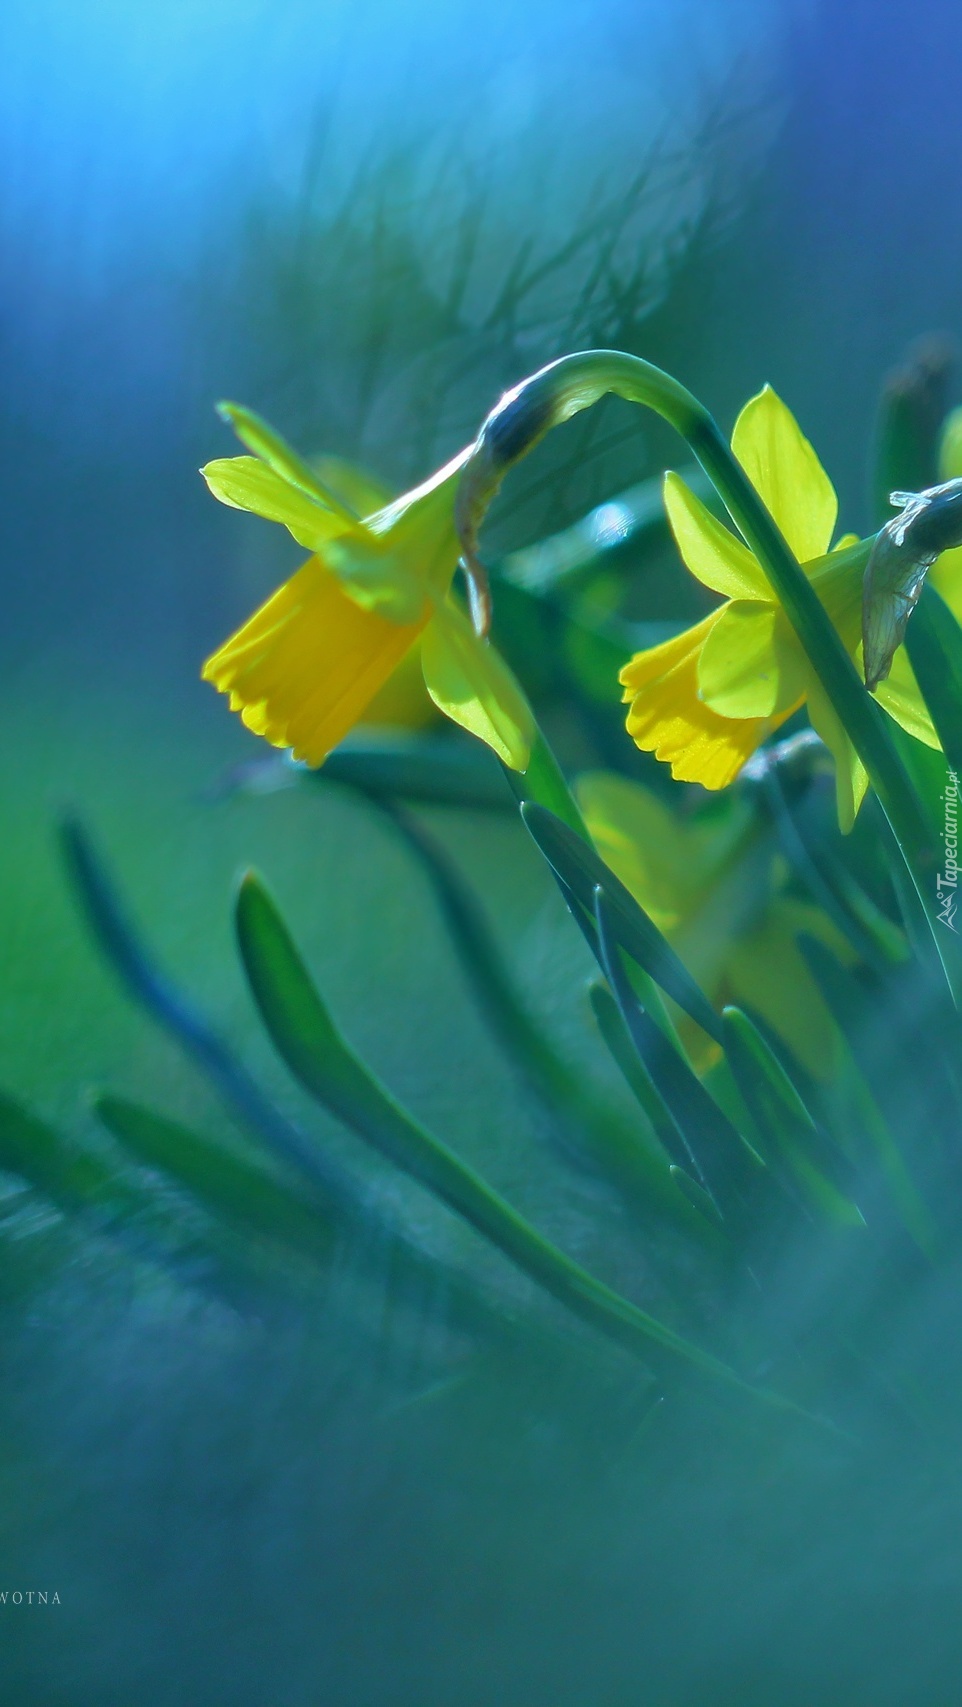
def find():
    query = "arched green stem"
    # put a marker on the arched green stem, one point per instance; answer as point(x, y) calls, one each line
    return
point(561, 390)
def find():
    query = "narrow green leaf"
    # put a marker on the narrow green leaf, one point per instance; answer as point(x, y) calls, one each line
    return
point(581, 869)
point(847, 1005)
point(254, 432)
point(239, 1191)
point(73, 1179)
point(714, 1150)
point(442, 770)
point(876, 939)
point(608, 1017)
point(783, 1119)
point(591, 1127)
point(695, 1195)
point(190, 1029)
point(306, 1038)
point(82, 1184)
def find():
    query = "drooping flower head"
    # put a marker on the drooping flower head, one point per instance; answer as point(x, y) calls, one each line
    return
point(706, 699)
point(305, 667)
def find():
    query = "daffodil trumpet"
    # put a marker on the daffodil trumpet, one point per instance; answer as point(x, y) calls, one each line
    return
point(561, 390)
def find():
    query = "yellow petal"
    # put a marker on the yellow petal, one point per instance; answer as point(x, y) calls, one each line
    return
point(900, 695)
point(403, 701)
point(751, 664)
point(246, 483)
point(304, 667)
point(470, 682)
point(710, 550)
point(667, 717)
point(851, 777)
point(786, 474)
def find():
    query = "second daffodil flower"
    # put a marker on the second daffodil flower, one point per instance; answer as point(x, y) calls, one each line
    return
point(706, 699)
point(306, 666)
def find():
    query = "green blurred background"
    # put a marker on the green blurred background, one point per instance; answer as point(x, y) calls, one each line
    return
point(366, 222)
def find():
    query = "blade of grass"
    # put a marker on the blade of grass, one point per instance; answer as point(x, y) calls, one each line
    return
point(594, 1129)
point(847, 1004)
point(792, 1137)
point(241, 1192)
point(305, 1037)
point(582, 870)
point(345, 1199)
point(717, 1154)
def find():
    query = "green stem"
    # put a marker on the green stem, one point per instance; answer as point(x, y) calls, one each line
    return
point(575, 382)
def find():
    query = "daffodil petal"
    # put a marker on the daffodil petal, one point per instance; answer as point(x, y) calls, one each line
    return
point(899, 693)
point(786, 474)
point(851, 777)
point(751, 664)
point(470, 682)
point(667, 717)
point(710, 550)
point(246, 483)
point(304, 667)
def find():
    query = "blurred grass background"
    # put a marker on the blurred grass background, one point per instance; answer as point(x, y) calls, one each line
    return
point(366, 223)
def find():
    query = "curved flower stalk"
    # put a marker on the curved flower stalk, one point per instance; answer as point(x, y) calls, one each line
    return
point(558, 392)
point(714, 884)
point(307, 665)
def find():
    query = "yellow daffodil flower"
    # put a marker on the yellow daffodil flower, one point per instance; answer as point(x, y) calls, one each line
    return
point(307, 666)
point(718, 890)
point(706, 699)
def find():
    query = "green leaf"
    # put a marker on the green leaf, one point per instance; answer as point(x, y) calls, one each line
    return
point(783, 1119)
point(581, 869)
point(255, 433)
point(71, 1178)
point(846, 1001)
point(190, 1029)
point(470, 682)
point(81, 1183)
point(239, 1191)
point(611, 1024)
point(590, 1127)
point(245, 483)
point(442, 770)
point(713, 1148)
point(695, 1195)
point(306, 1038)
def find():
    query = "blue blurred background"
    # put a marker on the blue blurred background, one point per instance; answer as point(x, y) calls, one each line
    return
point(170, 175)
